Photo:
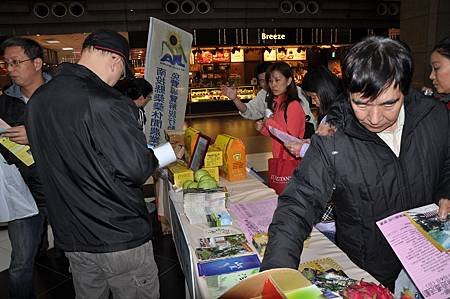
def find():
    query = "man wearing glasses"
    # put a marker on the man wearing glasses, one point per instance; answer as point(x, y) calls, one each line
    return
point(23, 60)
point(93, 160)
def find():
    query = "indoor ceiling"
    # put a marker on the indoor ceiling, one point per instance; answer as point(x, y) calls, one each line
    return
point(64, 44)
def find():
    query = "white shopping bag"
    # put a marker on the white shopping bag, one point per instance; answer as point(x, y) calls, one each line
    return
point(16, 201)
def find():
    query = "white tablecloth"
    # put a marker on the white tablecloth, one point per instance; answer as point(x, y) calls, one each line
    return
point(186, 236)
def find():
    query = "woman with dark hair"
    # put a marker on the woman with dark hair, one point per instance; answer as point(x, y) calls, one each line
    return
point(323, 87)
point(440, 68)
point(288, 116)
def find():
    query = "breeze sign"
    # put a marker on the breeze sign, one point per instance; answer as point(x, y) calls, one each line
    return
point(265, 36)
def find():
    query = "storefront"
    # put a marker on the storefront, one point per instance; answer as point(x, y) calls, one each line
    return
point(230, 56)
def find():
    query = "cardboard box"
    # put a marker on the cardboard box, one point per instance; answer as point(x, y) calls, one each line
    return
point(234, 157)
point(179, 173)
point(213, 157)
point(274, 283)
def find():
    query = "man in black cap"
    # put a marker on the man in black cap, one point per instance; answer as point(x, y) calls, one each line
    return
point(93, 160)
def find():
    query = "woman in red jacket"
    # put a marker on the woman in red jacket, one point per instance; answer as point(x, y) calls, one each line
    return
point(288, 116)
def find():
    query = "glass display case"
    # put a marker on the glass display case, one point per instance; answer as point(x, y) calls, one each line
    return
point(245, 92)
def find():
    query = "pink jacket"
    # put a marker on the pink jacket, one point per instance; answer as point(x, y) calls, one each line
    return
point(295, 125)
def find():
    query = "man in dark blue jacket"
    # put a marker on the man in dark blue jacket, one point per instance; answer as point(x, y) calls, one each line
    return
point(23, 59)
point(390, 153)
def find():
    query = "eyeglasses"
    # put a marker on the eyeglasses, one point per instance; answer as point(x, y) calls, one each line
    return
point(13, 63)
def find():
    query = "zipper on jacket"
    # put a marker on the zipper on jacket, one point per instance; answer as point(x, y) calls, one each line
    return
point(399, 171)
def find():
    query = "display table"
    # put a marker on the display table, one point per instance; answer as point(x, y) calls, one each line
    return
point(186, 236)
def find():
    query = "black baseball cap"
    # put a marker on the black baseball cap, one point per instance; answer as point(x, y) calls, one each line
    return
point(110, 41)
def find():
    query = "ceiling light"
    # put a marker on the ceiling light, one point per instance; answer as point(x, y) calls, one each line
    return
point(51, 41)
point(67, 49)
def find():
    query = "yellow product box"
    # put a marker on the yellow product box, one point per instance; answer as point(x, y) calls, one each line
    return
point(179, 173)
point(213, 171)
point(190, 138)
point(213, 157)
point(234, 157)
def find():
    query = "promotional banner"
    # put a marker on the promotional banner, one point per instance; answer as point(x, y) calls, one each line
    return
point(167, 69)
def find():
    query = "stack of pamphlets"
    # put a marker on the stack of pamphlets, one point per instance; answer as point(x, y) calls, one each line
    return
point(205, 206)
point(222, 246)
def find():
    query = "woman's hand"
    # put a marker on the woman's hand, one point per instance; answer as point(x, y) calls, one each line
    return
point(259, 125)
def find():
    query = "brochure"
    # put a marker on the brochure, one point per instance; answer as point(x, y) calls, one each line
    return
point(22, 152)
point(428, 267)
point(222, 246)
point(428, 223)
point(228, 265)
point(283, 136)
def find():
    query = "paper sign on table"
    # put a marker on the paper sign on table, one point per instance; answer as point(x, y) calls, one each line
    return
point(427, 266)
point(254, 217)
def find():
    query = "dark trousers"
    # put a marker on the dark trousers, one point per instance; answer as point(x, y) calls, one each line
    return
point(25, 236)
